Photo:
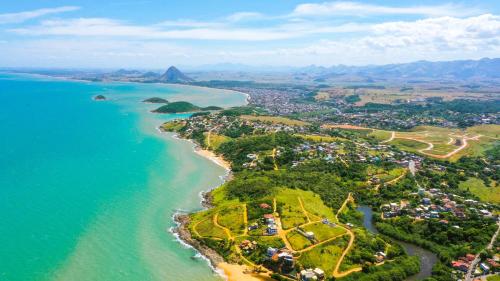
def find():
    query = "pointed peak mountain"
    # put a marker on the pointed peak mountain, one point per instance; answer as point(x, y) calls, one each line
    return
point(174, 75)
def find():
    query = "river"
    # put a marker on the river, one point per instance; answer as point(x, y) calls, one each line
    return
point(427, 258)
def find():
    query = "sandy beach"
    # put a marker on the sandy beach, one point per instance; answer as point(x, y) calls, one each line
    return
point(236, 272)
point(214, 158)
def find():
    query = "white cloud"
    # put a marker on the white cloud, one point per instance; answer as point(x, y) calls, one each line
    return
point(445, 33)
point(361, 9)
point(242, 16)
point(27, 15)
point(103, 27)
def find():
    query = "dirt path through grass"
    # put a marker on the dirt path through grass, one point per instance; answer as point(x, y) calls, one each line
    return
point(304, 209)
point(393, 135)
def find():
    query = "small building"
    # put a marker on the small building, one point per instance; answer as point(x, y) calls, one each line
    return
point(253, 226)
point(460, 265)
point(470, 257)
point(319, 273)
point(434, 215)
point(426, 201)
point(252, 156)
point(484, 267)
point(309, 235)
point(269, 218)
point(271, 251)
point(308, 275)
point(264, 206)
point(272, 229)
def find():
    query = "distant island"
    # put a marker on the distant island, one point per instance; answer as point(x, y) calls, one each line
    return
point(155, 100)
point(99, 98)
point(183, 106)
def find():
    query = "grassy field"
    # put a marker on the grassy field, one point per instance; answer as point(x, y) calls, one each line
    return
point(215, 140)
point(316, 138)
point(324, 256)
point(315, 207)
point(391, 174)
point(275, 120)
point(297, 240)
point(490, 131)
point(380, 135)
point(408, 145)
point(445, 140)
point(289, 208)
point(391, 95)
point(485, 193)
point(493, 278)
point(323, 232)
point(232, 218)
point(173, 126)
point(206, 228)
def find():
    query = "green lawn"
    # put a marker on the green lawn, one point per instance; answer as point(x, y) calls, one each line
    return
point(297, 240)
point(323, 232)
point(478, 188)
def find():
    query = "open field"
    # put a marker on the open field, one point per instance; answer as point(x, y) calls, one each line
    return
point(396, 94)
point(289, 208)
point(275, 120)
point(316, 138)
point(297, 240)
point(380, 135)
point(232, 218)
point(324, 256)
point(323, 232)
point(436, 142)
point(485, 193)
point(314, 206)
point(346, 127)
point(206, 228)
point(391, 174)
point(213, 141)
point(409, 145)
point(445, 143)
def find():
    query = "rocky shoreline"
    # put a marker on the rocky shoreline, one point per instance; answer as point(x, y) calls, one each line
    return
point(184, 234)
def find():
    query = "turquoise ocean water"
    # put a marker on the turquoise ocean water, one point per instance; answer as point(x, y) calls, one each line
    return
point(88, 189)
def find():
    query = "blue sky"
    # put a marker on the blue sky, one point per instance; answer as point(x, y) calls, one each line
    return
point(155, 34)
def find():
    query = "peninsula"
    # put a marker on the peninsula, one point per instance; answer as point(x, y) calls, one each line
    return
point(182, 107)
